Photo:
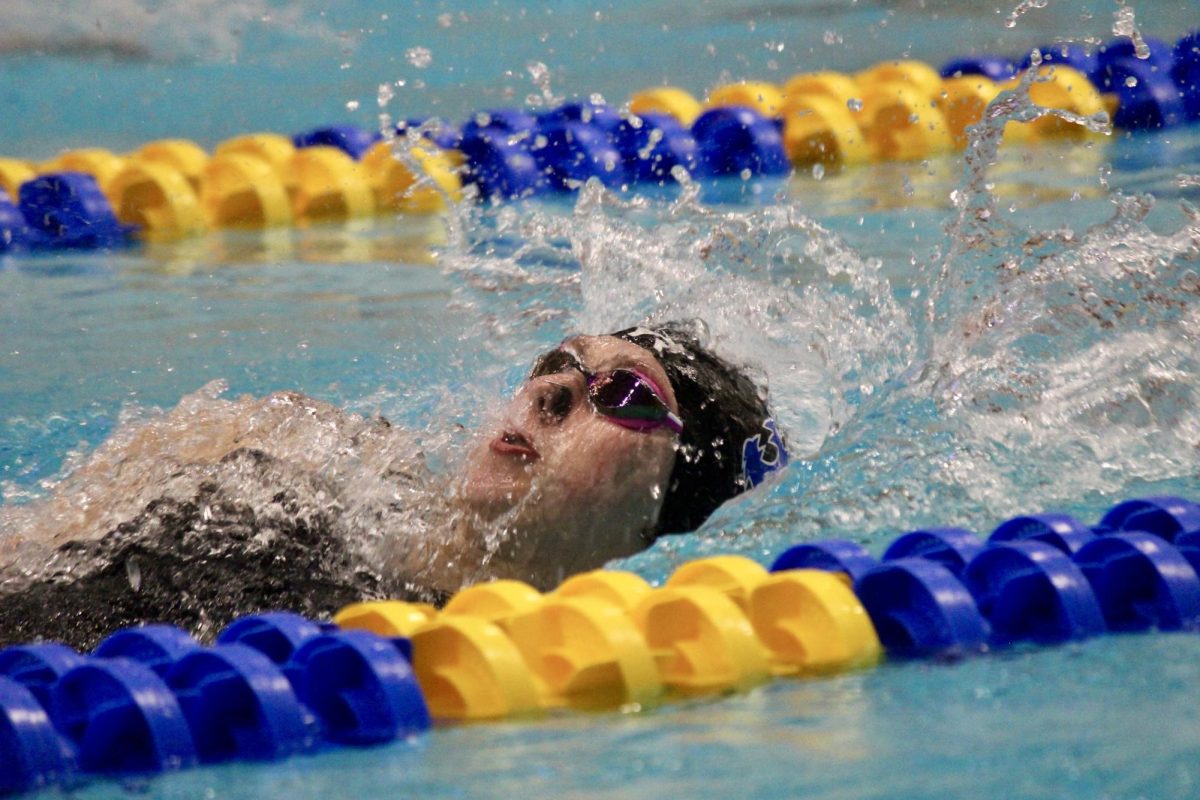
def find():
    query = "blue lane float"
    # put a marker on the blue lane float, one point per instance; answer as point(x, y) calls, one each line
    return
point(1061, 531)
point(829, 555)
point(34, 755)
point(1067, 54)
point(1031, 591)
point(239, 704)
point(1159, 57)
point(443, 134)
point(360, 686)
point(156, 646)
point(498, 167)
point(652, 145)
point(1186, 72)
point(1188, 545)
point(510, 153)
point(275, 634)
point(1142, 582)
point(1149, 98)
point(950, 547)
point(739, 141)
point(122, 718)
point(68, 210)
point(501, 120)
point(38, 667)
point(1165, 517)
point(601, 116)
point(151, 698)
point(997, 68)
point(568, 153)
point(14, 231)
point(919, 609)
point(350, 139)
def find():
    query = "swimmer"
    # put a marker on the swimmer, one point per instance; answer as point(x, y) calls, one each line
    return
point(221, 508)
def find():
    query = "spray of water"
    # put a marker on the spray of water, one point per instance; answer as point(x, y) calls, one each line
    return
point(1028, 368)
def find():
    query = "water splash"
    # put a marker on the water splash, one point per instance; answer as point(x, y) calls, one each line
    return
point(223, 506)
point(1023, 8)
point(1044, 369)
point(539, 74)
point(419, 57)
point(1125, 24)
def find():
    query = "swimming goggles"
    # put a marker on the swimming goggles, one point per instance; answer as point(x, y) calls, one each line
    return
point(624, 396)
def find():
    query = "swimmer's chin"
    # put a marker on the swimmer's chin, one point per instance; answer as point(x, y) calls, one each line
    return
point(489, 494)
point(498, 477)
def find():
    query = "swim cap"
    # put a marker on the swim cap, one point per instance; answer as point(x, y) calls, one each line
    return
point(729, 442)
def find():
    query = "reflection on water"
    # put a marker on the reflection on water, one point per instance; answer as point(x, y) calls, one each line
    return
point(407, 240)
point(1024, 176)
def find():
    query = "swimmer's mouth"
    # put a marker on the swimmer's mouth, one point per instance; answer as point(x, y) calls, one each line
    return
point(514, 443)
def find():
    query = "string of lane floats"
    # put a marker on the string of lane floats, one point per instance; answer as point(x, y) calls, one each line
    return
point(151, 698)
point(896, 110)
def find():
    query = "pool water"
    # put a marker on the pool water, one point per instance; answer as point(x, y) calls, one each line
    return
point(932, 365)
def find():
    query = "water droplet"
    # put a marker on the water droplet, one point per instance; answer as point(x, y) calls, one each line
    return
point(746, 174)
point(352, 105)
point(384, 95)
point(1131, 81)
point(818, 171)
point(134, 573)
point(854, 104)
point(832, 38)
point(445, 20)
point(419, 57)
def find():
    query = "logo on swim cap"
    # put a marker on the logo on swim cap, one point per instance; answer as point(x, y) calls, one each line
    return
point(762, 454)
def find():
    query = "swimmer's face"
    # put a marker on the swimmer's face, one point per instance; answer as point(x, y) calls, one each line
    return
point(569, 487)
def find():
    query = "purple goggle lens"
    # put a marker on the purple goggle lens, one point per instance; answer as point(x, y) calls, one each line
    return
point(624, 396)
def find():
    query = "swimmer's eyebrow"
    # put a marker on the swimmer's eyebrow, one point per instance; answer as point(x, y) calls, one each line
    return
point(650, 369)
point(583, 351)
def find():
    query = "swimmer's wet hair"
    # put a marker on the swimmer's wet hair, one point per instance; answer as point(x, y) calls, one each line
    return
point(729, 441)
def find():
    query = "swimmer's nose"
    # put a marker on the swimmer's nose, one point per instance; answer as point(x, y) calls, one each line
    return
point(554, 402)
